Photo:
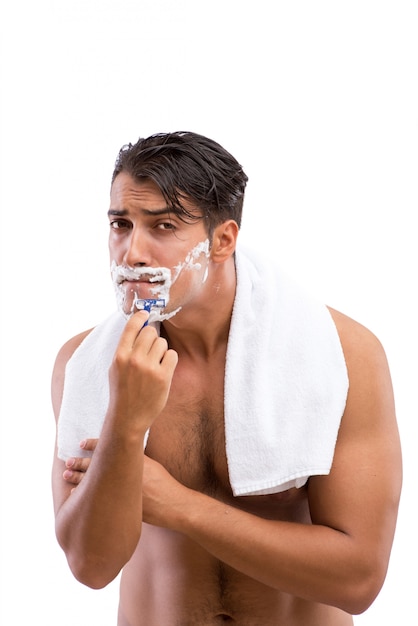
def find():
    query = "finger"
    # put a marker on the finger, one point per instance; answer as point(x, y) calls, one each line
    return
point(170, 360)
point(74, 478)
point(89, 444)
point(132, 328)
point(157, 349)
point(78, 464)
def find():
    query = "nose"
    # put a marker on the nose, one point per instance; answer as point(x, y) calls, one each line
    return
point(138, 252)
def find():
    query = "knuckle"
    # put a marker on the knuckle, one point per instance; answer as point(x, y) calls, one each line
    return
point(119, 359)
point(162, 342)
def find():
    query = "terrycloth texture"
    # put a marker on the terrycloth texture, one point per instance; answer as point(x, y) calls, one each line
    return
point(285, 383)
point(86, 387)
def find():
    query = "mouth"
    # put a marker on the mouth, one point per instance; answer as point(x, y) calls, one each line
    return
point(143, 287)
point(139, 281)
point(125, 275)
point(122, 273)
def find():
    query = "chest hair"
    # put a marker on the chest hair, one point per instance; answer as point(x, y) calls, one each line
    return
point(188, 438)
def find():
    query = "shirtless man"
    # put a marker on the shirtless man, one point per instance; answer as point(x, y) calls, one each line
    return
point(192, 554)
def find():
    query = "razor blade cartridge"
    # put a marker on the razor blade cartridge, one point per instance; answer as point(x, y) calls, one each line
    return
point(149, 303)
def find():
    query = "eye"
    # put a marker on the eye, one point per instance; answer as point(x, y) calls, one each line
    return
point(166, 226)
point(119, 224)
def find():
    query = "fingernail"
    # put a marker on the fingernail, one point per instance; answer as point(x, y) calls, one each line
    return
point(69, 462)
point(83, 443)
point(67, 474)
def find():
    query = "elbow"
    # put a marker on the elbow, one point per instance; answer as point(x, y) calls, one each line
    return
point(92, 572)
point(88, 568)
point(365, 597)
point(363, 591)
point(93, 564)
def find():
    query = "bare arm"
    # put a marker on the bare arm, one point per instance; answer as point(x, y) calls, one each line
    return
point(98, 525)
point(341, 559)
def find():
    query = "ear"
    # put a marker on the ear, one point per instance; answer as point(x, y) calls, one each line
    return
point(224, 241)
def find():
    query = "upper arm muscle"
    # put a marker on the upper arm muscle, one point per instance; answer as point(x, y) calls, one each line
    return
point(360, 496)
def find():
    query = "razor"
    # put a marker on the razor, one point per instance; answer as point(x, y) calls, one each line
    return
point(148, 304)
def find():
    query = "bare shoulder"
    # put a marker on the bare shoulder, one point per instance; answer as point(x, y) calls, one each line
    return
point(369, 422)
point(370, 385)
point(349, 328)
point(358, 342)
point(58, 373)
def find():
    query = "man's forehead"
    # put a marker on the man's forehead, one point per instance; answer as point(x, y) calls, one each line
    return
point(125, 184)
point(146, 193)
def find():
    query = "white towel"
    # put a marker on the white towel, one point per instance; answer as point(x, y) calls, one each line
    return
point(285, 383)
point(86, 387)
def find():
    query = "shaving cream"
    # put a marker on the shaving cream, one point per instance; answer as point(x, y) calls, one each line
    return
point(160, 275)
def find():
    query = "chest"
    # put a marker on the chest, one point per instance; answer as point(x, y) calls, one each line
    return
point(188, 438)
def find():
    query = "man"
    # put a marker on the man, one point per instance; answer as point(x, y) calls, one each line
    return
point(216, 454)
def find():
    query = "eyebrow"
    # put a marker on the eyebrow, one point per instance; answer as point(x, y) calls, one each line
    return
point(124, 212)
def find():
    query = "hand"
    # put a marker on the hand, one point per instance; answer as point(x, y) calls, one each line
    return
point(76, 467)
point(161, 495)
point(141, 373)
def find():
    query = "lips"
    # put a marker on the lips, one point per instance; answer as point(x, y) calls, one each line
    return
point(142, 279)
point(121, 273)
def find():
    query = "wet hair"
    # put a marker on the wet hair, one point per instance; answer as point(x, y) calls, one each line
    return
point(188, 166)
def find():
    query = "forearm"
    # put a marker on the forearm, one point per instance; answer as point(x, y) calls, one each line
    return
point(313, 562)
point(99, 524)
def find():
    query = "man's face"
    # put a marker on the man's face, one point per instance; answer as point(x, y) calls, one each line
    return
point(153, 253)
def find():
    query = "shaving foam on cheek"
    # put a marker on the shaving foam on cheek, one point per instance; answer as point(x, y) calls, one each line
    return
point(191, 262)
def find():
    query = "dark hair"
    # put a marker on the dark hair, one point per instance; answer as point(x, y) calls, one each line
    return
point(185, 165)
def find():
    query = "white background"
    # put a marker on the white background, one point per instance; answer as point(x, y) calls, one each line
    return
point(317, 100)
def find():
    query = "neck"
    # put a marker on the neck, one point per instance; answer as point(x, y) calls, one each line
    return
point(201, 328)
